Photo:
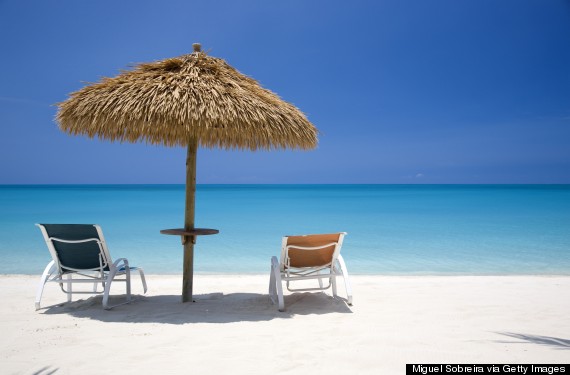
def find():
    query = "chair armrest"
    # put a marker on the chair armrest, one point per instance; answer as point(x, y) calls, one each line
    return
point(124, 261)
point(274, 261)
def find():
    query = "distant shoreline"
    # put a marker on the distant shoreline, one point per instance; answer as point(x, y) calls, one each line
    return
point(287, 185)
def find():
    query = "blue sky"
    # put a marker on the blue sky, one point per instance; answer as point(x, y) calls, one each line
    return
point(423, 91)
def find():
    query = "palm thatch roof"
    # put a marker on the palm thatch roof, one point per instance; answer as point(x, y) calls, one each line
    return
point(194, 96)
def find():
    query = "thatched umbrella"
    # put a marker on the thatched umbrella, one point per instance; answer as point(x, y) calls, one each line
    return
point(191, 100)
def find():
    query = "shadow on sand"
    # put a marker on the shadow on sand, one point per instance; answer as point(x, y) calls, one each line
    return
point(554, 342)
point(208, 308)
point(46, 371)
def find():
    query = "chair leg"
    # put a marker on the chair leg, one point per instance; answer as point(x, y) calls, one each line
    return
point(108, 283)
point(128, 282)
point(50, 268)
point(333, 284)
point(276, 284)
point(69, 288)
point(346, 279)
point(95, 284)
point(272, 290)
point(143, 280)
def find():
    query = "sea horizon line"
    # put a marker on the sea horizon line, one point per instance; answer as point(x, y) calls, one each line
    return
point(280, 184)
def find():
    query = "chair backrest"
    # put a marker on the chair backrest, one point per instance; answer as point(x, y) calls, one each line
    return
point(311, 250)
point(74, 256)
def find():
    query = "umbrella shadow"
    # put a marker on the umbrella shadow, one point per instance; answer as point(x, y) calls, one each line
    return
point(207, 308)
point(555, 342)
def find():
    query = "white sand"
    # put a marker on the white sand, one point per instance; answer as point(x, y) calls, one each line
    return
point(234, 329)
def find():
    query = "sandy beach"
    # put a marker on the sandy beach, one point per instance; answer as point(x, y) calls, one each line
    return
point(233, 328)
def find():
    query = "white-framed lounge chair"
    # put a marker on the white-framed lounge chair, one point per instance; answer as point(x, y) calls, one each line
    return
point(312, 256)
point(80, 255)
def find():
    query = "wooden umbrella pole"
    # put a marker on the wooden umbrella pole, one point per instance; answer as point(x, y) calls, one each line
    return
point(188, 270)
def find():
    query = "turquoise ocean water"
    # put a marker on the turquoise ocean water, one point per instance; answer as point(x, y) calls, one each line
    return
point(392, 229)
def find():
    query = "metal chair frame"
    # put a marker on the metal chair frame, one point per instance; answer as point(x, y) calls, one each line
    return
point(283, 271)
point(105, 273)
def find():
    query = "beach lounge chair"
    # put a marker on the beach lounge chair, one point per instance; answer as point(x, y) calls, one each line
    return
point(80, 255)
point(312, 256)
